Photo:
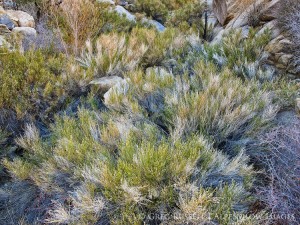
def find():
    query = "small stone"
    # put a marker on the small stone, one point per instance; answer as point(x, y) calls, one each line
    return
point(27, 32)
point(5, 20)
point(105, 83)
point(111, 2)
point(124, 12)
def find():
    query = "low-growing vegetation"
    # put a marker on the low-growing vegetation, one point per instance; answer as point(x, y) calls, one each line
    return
point(180, 138)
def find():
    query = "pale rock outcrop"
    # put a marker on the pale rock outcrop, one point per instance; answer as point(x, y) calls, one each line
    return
point(4, 30)
point(124, 12)
point(220, 10)
point(26, 32)
point(23, 19)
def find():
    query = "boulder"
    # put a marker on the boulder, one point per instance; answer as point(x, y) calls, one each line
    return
point(120, 87)
point(269, 11)
point(111, 2)
point(23, 19)
point(26, 32)
point(5, 20)
point(154, 23)
point(275, 31)
point(124, 12)
point(220, 10)
point(105, 83)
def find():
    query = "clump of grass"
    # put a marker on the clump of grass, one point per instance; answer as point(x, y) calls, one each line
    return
point(245, 56)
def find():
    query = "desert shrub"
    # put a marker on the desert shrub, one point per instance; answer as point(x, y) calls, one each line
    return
point(35, 81)
point(282, 152)
point(221, 105)
point(119, 53)
point(80, 20)
point(144, 174)
point(161, 10)
point(244, 56)
point(288, 18)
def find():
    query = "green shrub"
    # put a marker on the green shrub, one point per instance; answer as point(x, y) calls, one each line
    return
point(146, 173)
point(35, 81)
point(245, 56)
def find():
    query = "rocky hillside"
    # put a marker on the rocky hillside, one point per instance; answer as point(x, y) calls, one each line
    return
point(149, 112)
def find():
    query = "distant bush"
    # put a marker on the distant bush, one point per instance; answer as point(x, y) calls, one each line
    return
point(79, 20)
point(173, 12)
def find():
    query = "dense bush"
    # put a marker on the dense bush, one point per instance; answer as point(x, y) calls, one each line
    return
point(79, 20)
point(33, 82)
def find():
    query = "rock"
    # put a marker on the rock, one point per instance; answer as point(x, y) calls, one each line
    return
point(239, 21)
point(218, 38)
point(277, 45)
point(275, 31)
point(245, 31)
point(105, 83)
point(285, 59)
point(2, 11)
point(26, 32)
point(5, 20)
point(298, 105)
point(124, 12)
point(9, 4)
point(156, 24)
point(106, 1)
point(269, 11)
point(120, 87)
point(220, 10)
point(23, 19)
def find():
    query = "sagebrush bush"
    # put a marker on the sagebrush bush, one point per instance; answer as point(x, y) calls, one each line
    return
point(149, 174)
point(79, 20)
point(35, 81)
point(245, 56)
point(117, 54)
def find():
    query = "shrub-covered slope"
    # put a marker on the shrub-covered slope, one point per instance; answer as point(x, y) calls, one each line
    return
point(123, 124)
